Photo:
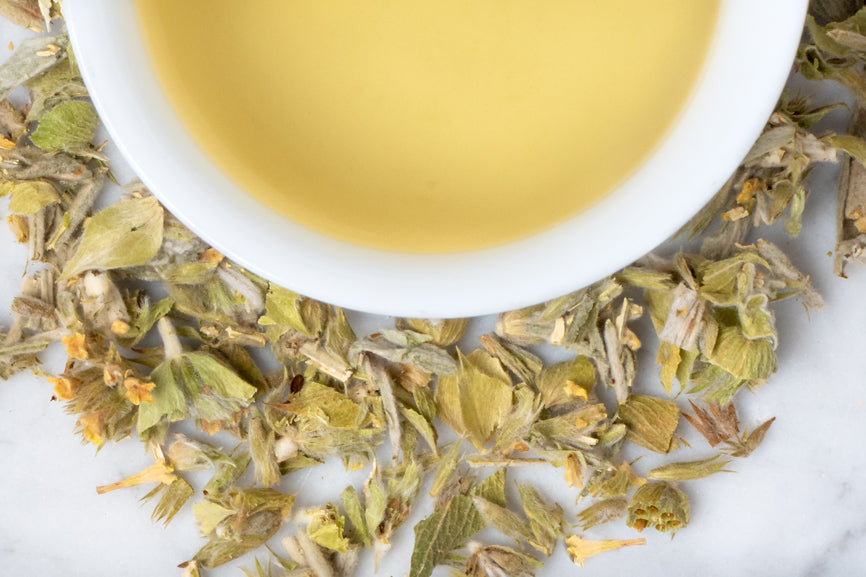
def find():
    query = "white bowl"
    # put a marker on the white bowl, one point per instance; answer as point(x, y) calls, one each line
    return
point(746, 70)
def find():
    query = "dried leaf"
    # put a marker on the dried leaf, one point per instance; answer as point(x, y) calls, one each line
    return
point(355, 512)
point(326, 528)
point(423, 426)
point(564, 382)
point(506, 522)
point(325, 404)
point(172, 498)
point(262, 451)
point(445, 469)
point(742, 357)
point(499, 561)
point(208, 515)
point(126, 234)
point(715, 423)
point(492, 488)
point(690, 470)
point(406, 347)
point(194, 384)
point(545, 520)
point(29, 196)
point(59, 84)
point(68, 126)
point(443, 332)
point(651, 422)
point(447, 529)
point(525, 365)
point(24, 13)
point(32, 58)
point(602, 512)
point(287, 310)
point(475, 401)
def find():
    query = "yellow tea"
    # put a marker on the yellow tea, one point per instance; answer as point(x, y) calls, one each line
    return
point(428, 125)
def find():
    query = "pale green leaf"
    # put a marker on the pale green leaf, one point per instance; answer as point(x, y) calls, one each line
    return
point(475, 401)
point(208, 515)
point(125, 234)
point(355, 513)
point(67, 126)
point(31, 196)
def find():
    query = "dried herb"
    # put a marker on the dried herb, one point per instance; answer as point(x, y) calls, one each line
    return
point(579, 548)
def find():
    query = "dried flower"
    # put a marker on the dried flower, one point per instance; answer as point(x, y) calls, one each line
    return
point(64, 387)
point(138, 391)
point(76, 346)
point(91, 425)
point(659, 505)
point(579, 549)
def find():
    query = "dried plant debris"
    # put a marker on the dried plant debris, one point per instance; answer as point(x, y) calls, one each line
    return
point(160, 329)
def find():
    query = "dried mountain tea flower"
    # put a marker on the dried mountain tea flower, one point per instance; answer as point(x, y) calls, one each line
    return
point(579, 549)
point(658, 505)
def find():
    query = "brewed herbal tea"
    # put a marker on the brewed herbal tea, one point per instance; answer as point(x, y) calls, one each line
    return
point(428, 126)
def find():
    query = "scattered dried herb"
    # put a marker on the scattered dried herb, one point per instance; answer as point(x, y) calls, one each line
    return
point(140, 361)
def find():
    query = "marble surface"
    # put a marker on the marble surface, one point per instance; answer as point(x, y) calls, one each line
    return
point(795, 508)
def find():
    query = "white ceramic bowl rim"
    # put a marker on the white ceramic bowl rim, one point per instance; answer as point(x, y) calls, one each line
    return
point(746, 71)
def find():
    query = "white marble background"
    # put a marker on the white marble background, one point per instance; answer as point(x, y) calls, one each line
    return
point(796, 508)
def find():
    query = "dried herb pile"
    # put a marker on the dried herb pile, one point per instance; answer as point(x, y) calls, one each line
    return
point(160, 328)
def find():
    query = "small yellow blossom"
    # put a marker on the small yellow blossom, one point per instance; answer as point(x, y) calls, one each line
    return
point(750, 189)
point(579, 549)
point(64, 387)
point(575, 390)
point(211, 427)
point(75, 346)
point(119, 327)
point(91, 425)
point(138, 391)
point(211, 255)
point(160, 472)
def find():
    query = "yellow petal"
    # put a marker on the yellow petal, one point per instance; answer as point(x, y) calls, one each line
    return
point(138, 391)
point(92, 427)
point(573, 471)
point(156, 473)
point(211, 255)
point(64, 387)
point(211, 427)
point(580, 549)
point(75, 346)
point(575, 390)
point(119, 327)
